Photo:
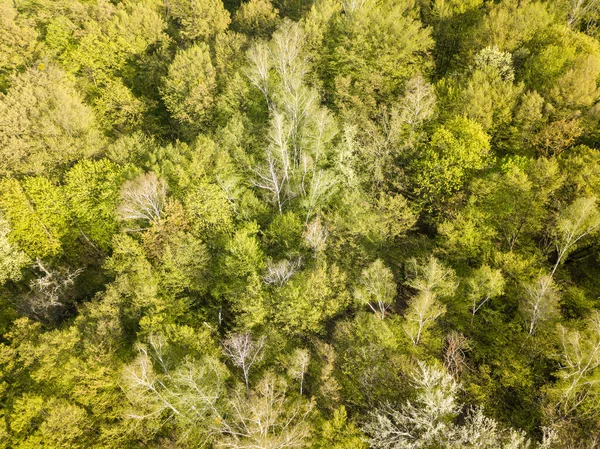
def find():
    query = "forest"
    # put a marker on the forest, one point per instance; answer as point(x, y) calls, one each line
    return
point(300, 224)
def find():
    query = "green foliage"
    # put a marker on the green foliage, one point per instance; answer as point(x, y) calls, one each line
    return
point(188, 90)
point(192, 188)
point(372, 50)
point(305, 304)
point(199, 19)
point(38, 214)
point(92, 190)
point(457, 150)
point(44, 125)
point(12, 259)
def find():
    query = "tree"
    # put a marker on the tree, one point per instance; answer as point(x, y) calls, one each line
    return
point(184, 396)
point(244, 352)
point(299, 366)
point(38, 215)
point(199, 19)
point(431, 279)
point(44, 124)
point(143, 198)
point(210, 210)
point(576, 221)
point(563, 67)
point(457, 150)
point(18, 43)
point(92, 189)
point(304, 305)
point(484, 285)
point(256, 18)
point(267, 417)
point(188, 90)
point(340, 433)
point(377, 288)
point(372, 51)
point(12, 259)
point(540, 302)
point(430, 421)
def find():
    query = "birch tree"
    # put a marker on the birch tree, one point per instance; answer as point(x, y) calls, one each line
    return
point(184, 395)
point(299, 366)
point(265, 418)
point(376, 288)
point(579, 368)
point(431, 420)
point(578, 220)
point(244, 352)
point(539, 303)
point(483, 285)
point(143, 198)
point(431, 279)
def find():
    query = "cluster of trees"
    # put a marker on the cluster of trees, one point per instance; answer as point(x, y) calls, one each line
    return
point(324, 224)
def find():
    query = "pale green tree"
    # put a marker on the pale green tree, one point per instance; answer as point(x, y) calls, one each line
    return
point(44, 124)
point(432, 280)
point(485, 284)
point(199, 19)
point(573, 223)
point(376, 288)
point(188, 90)
point(12, 259)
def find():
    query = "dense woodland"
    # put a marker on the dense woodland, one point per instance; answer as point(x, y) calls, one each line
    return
point(300, 224)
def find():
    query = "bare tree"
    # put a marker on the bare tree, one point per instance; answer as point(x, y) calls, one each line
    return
point(540, 302)
point(299, 365)
point(143, 198)
point(578, 220)
point(315, 236)
point(186, 394)
point(278, 273)
point(418, 104)
point(377, 288)
point(265, 419)
point(49, 292)
point(454, 357)
point(244, 352)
